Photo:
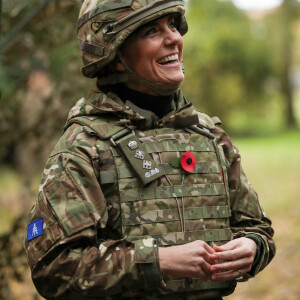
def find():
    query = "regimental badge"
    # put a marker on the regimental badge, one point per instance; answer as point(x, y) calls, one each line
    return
point(133, 145)
point(151, 173)
point(147, 164)
point(35, 229)
point(139, 154)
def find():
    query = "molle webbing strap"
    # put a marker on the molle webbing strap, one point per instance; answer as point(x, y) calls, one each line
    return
point(170, 215)
point(139, 159)
point(179, 238)
point(203, 131)
point(200, 168)
point(91, 48)
point(224, 169)
point(175, 146)
point(183, 122)
point(163, 192)
point(120, 136)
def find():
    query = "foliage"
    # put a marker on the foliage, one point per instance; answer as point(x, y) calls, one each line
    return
point(233, 66)
point(226, 65)
point(282, 28)
point(47, 45)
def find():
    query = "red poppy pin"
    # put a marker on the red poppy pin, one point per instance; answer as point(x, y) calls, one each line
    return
point(188, 161)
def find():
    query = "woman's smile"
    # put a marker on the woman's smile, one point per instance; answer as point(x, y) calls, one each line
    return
point(169, 60)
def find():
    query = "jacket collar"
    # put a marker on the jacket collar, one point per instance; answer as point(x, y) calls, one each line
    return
point(183, 113)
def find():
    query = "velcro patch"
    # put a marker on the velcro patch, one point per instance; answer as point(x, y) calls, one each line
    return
point(35, 229)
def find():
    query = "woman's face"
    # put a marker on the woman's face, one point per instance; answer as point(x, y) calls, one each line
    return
point(154, 53)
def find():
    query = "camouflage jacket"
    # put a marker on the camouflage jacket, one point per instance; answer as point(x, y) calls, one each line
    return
point(94, 233)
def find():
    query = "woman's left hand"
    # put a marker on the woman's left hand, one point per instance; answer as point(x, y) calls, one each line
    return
point(238, 254)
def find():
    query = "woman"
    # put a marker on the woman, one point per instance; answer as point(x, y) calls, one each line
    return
point(143, 196)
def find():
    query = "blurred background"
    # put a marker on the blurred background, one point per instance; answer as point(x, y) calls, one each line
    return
point(242, 63)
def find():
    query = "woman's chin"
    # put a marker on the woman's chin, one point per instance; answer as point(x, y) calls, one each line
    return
point(175, 81)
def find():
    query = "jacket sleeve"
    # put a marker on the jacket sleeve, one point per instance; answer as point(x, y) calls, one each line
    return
point(72, 258)
point(247, 217)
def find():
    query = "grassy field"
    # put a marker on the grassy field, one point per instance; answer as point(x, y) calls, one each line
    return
point(272, 165)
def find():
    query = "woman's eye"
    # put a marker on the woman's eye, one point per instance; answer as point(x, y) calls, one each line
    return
point(174, 25)
point(150, 31)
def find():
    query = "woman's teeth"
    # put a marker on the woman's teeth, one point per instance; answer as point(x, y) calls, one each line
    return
point(168, 59)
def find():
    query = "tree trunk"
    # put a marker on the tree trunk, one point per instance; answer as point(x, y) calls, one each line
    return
point(0, 17)
point(290, 118)
point(288, 39)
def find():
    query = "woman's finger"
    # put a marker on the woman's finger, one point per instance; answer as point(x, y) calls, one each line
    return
point(228, 255)
point(230, 275)
point(244, 263)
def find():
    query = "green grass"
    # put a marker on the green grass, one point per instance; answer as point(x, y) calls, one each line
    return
point(272, 165)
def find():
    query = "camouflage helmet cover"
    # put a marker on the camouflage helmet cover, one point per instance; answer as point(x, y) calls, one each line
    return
point(104, 25)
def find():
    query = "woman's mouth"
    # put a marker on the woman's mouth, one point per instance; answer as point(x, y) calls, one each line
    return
point(169, 59)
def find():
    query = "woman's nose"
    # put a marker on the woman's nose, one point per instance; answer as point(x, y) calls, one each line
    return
point(172, 37)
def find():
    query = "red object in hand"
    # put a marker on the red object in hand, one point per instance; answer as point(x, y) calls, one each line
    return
point(188, 161)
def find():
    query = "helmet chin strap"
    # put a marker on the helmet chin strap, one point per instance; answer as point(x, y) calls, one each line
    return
point(161, 89)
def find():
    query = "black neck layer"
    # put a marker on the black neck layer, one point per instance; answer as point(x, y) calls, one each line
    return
point(160, 105)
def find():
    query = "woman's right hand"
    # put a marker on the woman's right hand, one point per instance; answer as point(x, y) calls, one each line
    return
point(188, 260)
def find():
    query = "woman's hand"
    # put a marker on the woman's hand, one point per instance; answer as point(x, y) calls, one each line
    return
point(188, 260)
point(239, 255)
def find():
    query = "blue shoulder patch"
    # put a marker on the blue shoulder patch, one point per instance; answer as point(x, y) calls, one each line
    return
point(35, 229)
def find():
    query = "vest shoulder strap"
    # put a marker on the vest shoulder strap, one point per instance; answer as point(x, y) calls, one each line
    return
point(103, 126)
point(208, 122)
point(204, 125)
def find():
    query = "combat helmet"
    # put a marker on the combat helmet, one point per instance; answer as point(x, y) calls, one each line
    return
point(104, 25)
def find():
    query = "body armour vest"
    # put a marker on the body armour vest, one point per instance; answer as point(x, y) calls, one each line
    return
point(157, 198)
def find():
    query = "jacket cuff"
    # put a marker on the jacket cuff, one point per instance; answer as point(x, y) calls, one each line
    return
point(260, 253)
point(257, 263)
point(146, 257)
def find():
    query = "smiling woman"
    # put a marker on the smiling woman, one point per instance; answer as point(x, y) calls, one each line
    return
point(143, 196)
point(154, 53)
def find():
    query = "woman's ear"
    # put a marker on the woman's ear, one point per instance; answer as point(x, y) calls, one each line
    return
point(120, 67)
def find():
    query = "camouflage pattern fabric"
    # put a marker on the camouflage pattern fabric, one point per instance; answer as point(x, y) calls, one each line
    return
point(102, 226)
